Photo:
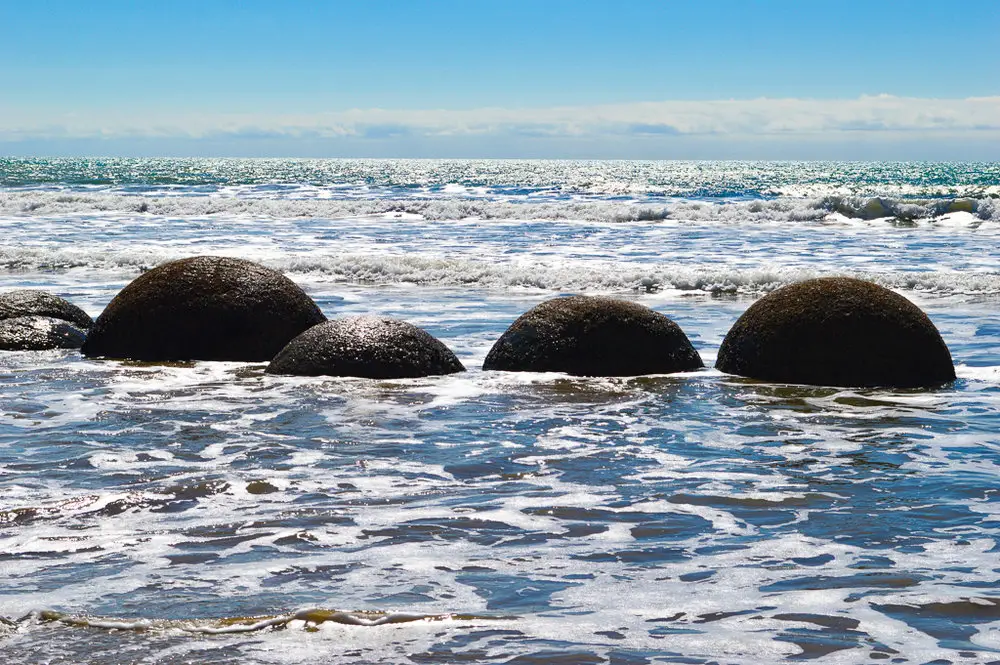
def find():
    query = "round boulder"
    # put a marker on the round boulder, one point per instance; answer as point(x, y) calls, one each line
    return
point(203, 308)
point(39, 333)
point(837, 331)
point(365, 346)
point(30, 302)
point(593, 336)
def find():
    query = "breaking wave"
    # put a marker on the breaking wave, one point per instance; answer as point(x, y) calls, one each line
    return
point(612, 277)
point(557, 275)
point(900, 211)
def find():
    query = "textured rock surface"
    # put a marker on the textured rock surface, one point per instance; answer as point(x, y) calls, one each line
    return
point(203, 308)
point(29, 302)
point(366, 346)
point(592, 336)
point(38, 333)
point(838, 332)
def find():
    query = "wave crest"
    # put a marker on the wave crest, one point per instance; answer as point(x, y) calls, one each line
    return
point(557, 276)
point(784, 209)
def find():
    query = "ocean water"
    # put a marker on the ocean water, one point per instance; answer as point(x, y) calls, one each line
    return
point(210, 513)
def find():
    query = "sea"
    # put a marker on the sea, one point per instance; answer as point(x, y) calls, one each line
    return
point(210, 513)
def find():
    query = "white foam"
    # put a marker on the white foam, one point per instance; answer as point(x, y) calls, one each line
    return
point(458, 205)
point(986, 374)
point(531, 273)
point(470, 464)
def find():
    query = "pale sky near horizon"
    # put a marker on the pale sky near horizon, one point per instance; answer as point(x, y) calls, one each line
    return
point(549, 78)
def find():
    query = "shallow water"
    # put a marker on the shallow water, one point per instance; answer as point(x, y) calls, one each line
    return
point(189, 512)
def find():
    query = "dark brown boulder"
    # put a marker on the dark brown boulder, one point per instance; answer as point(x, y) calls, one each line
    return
point(365, 346)
point(31, 302)
point(38, 333)
point(203, 308)
point(837, 331)
point(593, 336)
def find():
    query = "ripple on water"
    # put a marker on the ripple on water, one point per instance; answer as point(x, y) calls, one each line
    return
point(531, 518)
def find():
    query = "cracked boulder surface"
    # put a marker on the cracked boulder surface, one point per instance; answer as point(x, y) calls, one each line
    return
point(32, 302)
point(39, 333)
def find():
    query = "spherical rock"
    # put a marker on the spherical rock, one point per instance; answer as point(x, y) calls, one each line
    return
point(365, 346)
point(593, 336)
point(837, 331)
point(31, 302)
point(38, 333)
point(203, 308)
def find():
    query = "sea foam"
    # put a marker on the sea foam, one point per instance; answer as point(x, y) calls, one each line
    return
point(600, 209)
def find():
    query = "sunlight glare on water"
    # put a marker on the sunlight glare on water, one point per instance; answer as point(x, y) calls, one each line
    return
point(209, 512)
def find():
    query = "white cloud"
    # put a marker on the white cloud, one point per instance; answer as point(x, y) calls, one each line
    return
point(881, 115)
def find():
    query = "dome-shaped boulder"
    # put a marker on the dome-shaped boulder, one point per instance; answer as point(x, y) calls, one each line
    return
point(837, 331)
point(203, 308)
point(38, 333)
point(593, 336)
point(366, 346)
point(31, 302)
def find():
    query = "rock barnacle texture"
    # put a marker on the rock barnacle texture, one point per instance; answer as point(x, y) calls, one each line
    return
point(30, 302)
point(837, 331)
point(203, 308)
point(37, 333)
point(366, 346)
point(593, 336)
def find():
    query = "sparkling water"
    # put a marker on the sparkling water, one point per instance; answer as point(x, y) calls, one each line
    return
point(208, 512)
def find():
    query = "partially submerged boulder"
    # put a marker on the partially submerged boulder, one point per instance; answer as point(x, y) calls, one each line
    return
point(32, 302)
point(203, 308)
point(593, 336)
point(837, 331)
point(39, 333)
point(366, 346)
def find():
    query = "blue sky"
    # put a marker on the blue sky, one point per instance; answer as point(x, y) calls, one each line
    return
point(548, 78)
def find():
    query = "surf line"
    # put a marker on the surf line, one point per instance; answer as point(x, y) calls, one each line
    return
point(308, 620)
